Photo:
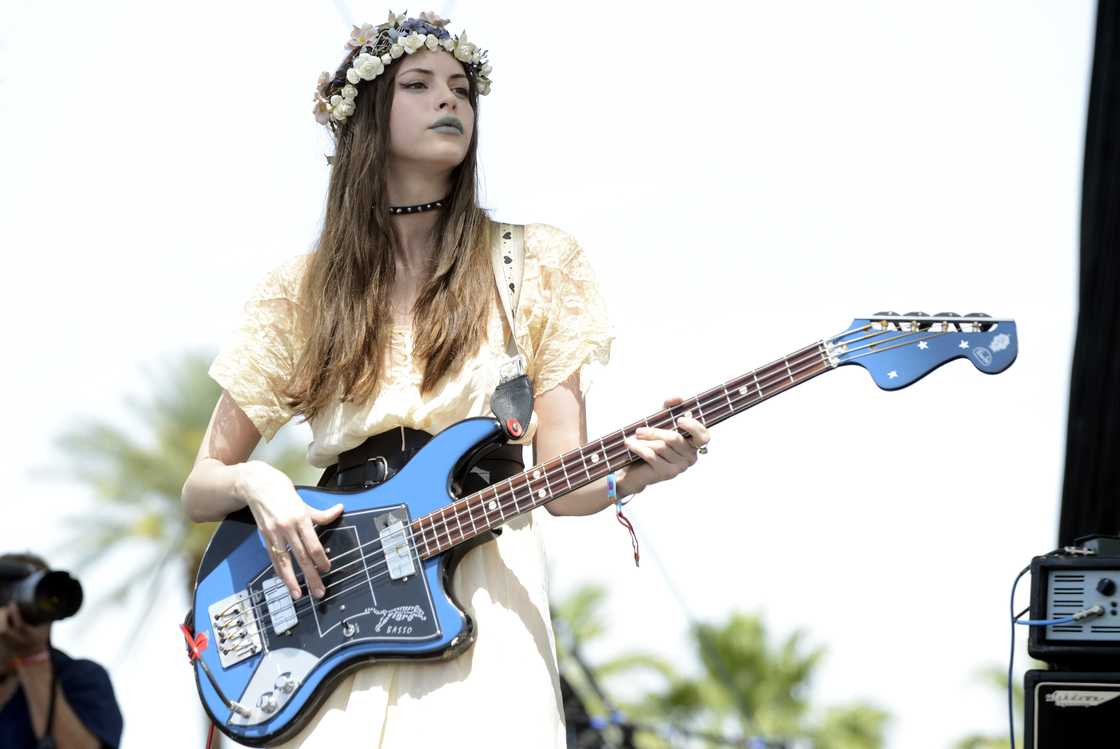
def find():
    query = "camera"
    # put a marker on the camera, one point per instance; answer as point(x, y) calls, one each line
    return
point(41, 595)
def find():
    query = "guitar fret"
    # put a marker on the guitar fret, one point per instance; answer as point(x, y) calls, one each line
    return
point(606, 460)
point(548, 485)
point(564, 469)
point(436, 533)
point(459, 523)
point(496, 502)
point(509, 497)
point(470, 516)
point(447, 527)
point(757, 385)
point(727, 397)
point(789, 371)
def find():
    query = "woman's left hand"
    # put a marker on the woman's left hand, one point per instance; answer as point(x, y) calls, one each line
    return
point(664, 452)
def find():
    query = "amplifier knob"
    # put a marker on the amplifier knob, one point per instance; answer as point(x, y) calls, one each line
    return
point(1106, 587)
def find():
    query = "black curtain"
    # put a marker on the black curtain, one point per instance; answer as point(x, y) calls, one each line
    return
point(1091, 490)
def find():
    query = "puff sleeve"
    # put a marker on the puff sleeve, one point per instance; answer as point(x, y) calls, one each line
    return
point(568, 325)
point(257, 361)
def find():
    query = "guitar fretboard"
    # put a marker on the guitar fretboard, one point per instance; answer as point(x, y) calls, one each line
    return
point(493, 506)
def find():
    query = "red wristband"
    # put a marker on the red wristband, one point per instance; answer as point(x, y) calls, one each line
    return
point(41, 657)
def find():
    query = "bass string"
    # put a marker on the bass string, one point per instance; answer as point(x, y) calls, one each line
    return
point(463, 508)
point(610, 447)
point(795, 364)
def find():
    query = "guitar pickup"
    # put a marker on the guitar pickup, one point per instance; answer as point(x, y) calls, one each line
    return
point(281, 607)
point(235, 628)
point(398, 552)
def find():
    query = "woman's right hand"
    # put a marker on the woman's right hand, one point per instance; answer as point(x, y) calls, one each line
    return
point(287, 524)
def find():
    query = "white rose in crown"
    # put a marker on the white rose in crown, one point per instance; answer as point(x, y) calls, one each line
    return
point(349, 92)
point(396, 51)
point(352, 76)
point(343, 109)
point(464, 49)
point(368, 66)
point(412, 43)
point(431, 41)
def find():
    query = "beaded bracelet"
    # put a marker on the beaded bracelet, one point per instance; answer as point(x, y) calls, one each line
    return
point(612, 495)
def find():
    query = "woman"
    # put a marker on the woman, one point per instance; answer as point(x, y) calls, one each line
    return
point(394, 324)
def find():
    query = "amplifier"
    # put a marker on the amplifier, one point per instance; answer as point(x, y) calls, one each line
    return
point(1063, 585)
point(1067, 709)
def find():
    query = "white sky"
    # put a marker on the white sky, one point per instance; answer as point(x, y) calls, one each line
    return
point(746, 178)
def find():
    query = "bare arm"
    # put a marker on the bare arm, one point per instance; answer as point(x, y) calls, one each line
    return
point(562, 426)
point(68, 730)
point(224, 480)
point(25, 642)
point(212, 489)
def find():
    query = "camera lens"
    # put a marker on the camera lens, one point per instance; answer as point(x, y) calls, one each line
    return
point(45, 596)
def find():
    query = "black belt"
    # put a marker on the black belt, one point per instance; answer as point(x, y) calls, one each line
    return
point(382, 456)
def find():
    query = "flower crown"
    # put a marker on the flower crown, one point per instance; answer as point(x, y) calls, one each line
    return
point(375, 48)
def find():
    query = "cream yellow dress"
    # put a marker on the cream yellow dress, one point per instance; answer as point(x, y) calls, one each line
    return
point(503, 691)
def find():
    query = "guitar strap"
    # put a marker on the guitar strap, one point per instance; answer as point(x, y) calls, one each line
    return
point(507, 256)
point(512, 401)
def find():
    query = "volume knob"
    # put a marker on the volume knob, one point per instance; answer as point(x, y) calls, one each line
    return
point(267, 702)
point(1106, 586)
point(285, 683)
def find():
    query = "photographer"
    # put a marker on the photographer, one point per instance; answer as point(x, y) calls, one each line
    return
point(83, 713)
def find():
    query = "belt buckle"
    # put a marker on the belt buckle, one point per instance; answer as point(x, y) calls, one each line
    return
point(384, 470)
point(366, 482)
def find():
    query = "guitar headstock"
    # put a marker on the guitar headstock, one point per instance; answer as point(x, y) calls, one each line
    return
point(899, 350)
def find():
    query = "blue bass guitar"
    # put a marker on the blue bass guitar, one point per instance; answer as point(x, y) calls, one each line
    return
point(265, 662)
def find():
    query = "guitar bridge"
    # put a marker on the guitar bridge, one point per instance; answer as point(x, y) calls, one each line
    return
point(235, 628)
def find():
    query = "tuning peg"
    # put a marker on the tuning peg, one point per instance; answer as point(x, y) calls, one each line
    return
point(919, 325)
point(983, 327)
point(949, 325)
point(879, 323)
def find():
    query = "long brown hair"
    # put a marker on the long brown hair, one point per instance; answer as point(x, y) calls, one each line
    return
point(345, 291)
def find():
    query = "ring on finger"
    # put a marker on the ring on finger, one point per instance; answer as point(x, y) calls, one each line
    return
point(703, 449)
point(277, 550)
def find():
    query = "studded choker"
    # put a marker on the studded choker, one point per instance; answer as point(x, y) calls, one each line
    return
point(396, 210)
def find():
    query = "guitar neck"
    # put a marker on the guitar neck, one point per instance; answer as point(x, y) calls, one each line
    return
point(493, 506)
